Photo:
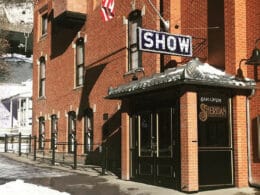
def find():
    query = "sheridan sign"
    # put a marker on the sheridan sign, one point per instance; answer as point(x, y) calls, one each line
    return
point(162, 42)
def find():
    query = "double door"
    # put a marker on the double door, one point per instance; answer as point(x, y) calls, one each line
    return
point(155, 147)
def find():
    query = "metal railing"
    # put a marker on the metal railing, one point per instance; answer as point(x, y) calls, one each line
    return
point(56, 152)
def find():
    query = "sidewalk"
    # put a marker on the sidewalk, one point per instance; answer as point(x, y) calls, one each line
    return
point(87, 180)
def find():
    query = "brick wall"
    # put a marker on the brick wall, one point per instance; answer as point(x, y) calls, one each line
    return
point(253, 33)
point(189, 144)
point(240, 141)
point(106, 65)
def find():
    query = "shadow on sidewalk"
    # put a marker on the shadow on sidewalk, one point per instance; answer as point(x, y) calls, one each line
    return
point(79, 185)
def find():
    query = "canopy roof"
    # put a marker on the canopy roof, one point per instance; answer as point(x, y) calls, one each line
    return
point(194, 73)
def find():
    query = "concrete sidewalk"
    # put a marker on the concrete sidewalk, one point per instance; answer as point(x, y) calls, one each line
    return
point(87, 180)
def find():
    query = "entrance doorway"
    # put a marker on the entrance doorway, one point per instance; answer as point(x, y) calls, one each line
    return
point(154, 147)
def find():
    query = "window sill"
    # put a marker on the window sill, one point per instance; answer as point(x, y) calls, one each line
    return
point(44, 36)
point(134, 71)
point(42, 98)
point(78, 87)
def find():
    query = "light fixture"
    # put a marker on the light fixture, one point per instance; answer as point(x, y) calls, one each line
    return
point(255, 58)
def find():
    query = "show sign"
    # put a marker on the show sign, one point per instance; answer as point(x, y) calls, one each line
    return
point(162, 42)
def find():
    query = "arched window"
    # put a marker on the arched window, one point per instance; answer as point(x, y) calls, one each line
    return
point(42, 77)
point(54, 131)
point(88, 131)
point(80, 60)
point(41, 132)
point(134, 55)
point(71, 131)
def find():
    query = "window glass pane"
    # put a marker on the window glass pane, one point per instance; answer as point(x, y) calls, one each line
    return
point(213, 120)
point(88, 138)
point(145, 134)
point(133, 53)
point(44, 24)
point(42, 88)
point(42, 70)
point(80, 54)
point(71, 131)
point(134, 60)
point(164, 130)
point(133, 33)
point(41, 132)
point(80, 72)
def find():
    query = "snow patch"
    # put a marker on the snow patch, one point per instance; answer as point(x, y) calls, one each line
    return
point(16, 58)
point(21, 188)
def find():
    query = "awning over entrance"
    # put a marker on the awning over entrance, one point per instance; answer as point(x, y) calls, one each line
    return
point(194, 72)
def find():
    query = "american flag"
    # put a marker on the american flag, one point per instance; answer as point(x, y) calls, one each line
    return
point(107, 9)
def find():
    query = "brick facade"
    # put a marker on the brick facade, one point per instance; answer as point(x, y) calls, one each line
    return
point(106, 65)
point(189, 144)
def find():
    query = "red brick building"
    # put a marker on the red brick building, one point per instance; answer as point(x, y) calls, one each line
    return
point(167, 120)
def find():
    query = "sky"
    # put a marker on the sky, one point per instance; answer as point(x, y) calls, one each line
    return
point(22, 188)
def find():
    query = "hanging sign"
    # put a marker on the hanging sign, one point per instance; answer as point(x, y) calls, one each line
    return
point(162, 42)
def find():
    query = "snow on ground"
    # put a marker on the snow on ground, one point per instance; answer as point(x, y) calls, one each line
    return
point(16, 58)
point(21, 188)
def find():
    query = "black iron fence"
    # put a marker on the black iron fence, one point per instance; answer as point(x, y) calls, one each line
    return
point(17, 143)
point(54, 152)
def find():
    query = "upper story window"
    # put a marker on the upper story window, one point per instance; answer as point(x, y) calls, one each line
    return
point(134, 55)
point(80, 59)
point(44, 24)
point(216, 38)
point(42, 77)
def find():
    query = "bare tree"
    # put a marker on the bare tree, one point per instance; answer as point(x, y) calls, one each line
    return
point(4, 46)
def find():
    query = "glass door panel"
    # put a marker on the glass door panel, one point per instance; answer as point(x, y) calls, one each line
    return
point(145, 134)
point(164, 130)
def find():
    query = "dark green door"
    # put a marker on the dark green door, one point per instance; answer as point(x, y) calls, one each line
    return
point(154, 150)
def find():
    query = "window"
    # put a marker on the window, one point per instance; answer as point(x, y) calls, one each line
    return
point(44, 24)
point(23, 112)
point(29, 111)
point(54, 131)
point(41, 132)
point(71, 131)
point(80, 59)
point(216, 38)
point(42, 77)
point(134, 55)
point(88, 131)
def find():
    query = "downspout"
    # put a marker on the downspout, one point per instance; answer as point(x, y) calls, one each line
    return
point(250, 178)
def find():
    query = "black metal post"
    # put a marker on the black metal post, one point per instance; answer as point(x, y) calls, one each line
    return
point(103, 150)
point(30, 143)
point(20, 144)
point(6, 142)
point(34, 147)
point(53, 150)
point(75, 154)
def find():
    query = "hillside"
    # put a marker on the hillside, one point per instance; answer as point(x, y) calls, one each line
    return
point(16, 15)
